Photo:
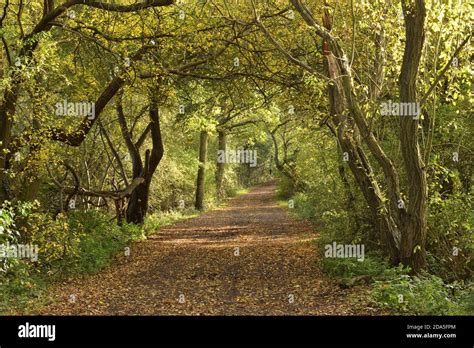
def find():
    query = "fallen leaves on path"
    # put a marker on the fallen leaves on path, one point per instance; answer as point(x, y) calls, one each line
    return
point(249, 258)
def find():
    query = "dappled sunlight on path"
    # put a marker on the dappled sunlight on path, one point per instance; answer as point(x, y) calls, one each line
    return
point(248, 258)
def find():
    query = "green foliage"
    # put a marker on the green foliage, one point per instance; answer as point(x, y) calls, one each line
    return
point(11, 216)
point(19, 287)
point(393, 288)
point(69, 245)
point(17, 280)
point(371, 266)
point(424, 295)
point(154, 222)
point(191, 63)
point(305, 206)
point(99, 239)
point(7, 223)
point(449, 238)
point(238, 192)
point(336, 224)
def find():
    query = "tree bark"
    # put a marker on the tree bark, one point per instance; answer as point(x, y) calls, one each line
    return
point(402, 223)
point(138, 203)
point(413, 242)
point(220, 167)
point(341, 99)
point(201, 178)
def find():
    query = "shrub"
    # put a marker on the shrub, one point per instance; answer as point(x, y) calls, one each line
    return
point(450, 226)
point(99, 240)
point(349, 267)
point(157, 220)
point(424, 295)
point(17, 283)
point(286, 188)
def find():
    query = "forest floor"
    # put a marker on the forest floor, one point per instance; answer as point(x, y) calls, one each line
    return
point(247, 258)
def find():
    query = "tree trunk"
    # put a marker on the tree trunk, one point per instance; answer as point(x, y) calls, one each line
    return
point(201, 178)
point(412, 247)
point(138, 203)
point(7, 112)
point(220, 167)
point(341, 99)
point(364, 176)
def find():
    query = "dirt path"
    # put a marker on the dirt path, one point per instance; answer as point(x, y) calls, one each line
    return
point(249, 258)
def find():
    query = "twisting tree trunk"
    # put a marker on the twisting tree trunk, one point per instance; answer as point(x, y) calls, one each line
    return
point(284, 166)
point(201, 178)
point(403, 224)
point(350, 144)
point(138, 203)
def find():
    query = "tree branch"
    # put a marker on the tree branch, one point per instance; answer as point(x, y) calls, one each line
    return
point(445, 69)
